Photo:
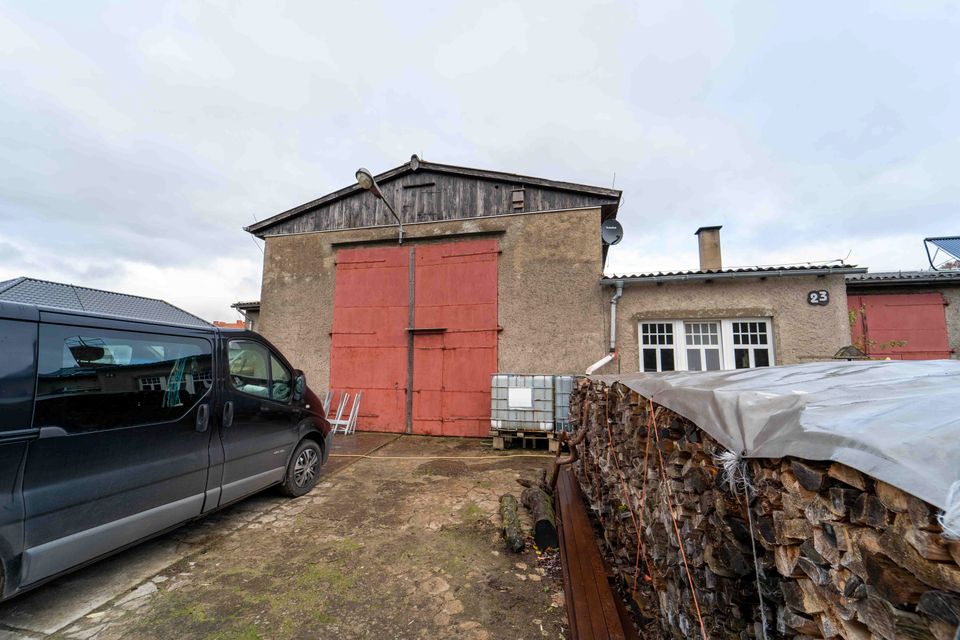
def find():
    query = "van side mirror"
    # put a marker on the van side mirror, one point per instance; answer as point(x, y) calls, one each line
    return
point(299, 386)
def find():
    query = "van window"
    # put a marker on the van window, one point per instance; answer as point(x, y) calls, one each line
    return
point(279, 380)
point(92, 379)
point(17, 373)
point(256, 371)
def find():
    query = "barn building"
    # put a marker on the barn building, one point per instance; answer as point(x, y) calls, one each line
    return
point(503, 273)
point(496, 272)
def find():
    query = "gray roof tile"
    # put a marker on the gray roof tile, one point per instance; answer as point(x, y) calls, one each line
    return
point(742, 271)
point(67, 296)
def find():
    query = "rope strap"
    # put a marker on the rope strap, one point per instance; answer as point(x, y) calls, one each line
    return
point(676, 527)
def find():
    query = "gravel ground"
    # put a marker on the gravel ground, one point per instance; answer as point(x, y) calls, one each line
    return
point(392, 546)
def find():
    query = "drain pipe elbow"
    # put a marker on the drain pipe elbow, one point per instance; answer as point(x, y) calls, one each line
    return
point(613, 331)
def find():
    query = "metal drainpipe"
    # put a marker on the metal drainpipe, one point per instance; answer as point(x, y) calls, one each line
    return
point(613, 331)
point(613, 316)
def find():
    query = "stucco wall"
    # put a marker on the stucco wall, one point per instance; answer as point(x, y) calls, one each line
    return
point(801, 332)
point(548, 283)
point(952, 310)
point(252, 320)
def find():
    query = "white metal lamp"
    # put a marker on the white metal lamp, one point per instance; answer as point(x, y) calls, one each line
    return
point(366, 181)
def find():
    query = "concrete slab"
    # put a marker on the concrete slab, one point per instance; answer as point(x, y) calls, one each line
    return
point(347, 449)
point(54, 606)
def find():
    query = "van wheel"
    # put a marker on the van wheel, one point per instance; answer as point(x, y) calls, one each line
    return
point(303, 470)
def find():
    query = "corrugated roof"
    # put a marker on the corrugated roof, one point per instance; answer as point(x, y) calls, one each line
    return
point(905, 277)
point(44, 293)
point(786, 270)
point(246, 304)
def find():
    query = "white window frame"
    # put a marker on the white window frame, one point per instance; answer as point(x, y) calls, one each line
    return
point(727, 359)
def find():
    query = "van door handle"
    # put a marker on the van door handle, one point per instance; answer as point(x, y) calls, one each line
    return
point(227, 413)
point(203, 417)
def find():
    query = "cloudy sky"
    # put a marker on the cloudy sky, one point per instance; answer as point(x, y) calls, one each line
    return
point(137, 138)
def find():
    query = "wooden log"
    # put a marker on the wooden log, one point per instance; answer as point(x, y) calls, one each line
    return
point(841, 500)
point(869, 511)
point(847, 475)
point(510, 528)
point(941, 605)
point(809, 477)
point(892, 498)
point(540, 505)
point(938, 575)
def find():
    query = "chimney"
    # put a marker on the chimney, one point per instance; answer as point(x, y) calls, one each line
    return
point(709, 240)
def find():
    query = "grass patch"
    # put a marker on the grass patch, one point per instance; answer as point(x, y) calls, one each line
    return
point(471, 513)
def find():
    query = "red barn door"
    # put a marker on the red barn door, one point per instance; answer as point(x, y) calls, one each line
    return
point(455, 341)
point(453, 337)
point(908, 326)
point(368, 347)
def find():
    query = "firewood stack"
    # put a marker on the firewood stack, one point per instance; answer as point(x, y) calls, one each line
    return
point(840, 554)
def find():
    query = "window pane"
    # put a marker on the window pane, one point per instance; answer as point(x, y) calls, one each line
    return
point(713, 359)
point(18, 373)
point(761, 357)
point(649, 359)
point(91, 379)
point(666, 360)
point(741, 358)
point(693, 360)
point(280, 378)
point(248, 367)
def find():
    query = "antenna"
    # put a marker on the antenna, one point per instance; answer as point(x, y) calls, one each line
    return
point(613, 185)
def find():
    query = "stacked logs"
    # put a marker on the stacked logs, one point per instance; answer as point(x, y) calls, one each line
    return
point(839, 554)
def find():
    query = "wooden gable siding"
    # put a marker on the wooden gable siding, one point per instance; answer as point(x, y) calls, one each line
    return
point(426, 196)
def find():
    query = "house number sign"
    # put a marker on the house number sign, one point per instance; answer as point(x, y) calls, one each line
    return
point(820, 298)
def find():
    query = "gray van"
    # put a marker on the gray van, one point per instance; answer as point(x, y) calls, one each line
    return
point(113, 431)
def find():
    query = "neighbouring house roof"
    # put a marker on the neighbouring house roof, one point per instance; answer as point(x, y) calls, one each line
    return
point(611, 196)
point(904, 278)
point(57, 295)
point(237, 324)
point(252, 305)
point(739, 272)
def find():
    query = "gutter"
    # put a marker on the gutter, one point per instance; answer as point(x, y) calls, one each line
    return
point(613, 331)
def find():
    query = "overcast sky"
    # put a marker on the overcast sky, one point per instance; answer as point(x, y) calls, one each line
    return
point(139, 137)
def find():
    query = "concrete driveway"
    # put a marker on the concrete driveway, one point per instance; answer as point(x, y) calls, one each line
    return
point(402, 544)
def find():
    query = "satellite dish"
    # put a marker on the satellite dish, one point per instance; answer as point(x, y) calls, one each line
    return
point(611, 232)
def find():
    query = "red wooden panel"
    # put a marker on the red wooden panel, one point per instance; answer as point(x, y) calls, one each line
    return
point(369, 343)
point(883, 321)
point(456, 290)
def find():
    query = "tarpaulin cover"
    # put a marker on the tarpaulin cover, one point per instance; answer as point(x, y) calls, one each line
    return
point(897, 421)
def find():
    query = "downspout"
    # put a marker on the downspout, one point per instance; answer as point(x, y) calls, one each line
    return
point(613, 331)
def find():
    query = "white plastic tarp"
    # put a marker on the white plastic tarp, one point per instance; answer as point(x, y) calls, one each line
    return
point(897, 421)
